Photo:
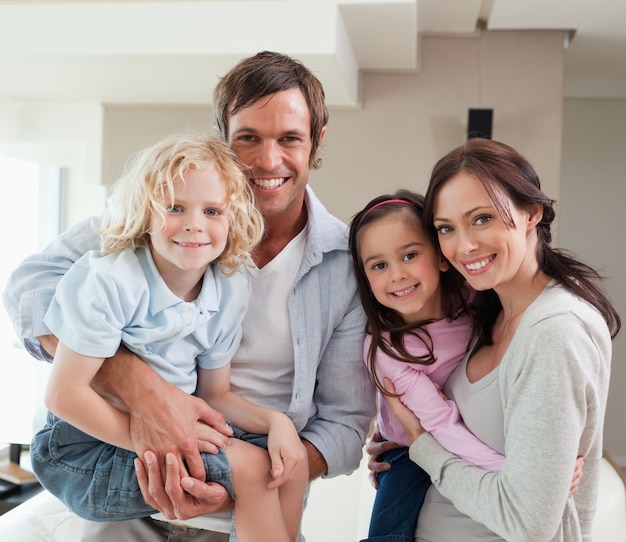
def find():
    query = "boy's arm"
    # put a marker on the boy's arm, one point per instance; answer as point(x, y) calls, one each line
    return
point(70, 397)
point(284, 445)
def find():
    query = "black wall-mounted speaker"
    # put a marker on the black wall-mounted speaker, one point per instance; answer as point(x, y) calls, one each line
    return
point(479, 123)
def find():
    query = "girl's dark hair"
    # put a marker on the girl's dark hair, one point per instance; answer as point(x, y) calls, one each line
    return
point(385, 325)
point(501, 168)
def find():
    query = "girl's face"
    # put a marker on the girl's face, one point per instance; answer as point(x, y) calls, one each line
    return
point(196, 225)
point(402, 266)
point(476, 240)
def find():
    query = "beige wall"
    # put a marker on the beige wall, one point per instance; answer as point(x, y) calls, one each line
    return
point(592, 200)
point(408, 121)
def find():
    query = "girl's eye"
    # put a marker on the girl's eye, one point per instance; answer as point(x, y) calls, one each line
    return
point(174, 209)
point(378, 266)
point(212, 212)
point(483, 219)
point(409, 256)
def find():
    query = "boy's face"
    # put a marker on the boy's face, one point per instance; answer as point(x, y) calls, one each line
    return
point(196, 225)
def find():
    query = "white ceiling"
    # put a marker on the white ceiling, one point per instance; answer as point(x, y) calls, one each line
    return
point(175, 51)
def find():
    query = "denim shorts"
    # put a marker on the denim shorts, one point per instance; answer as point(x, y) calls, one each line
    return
point(96, 480)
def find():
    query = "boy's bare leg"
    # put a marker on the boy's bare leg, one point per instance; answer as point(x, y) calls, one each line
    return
point(291, 495)
point(258, 514)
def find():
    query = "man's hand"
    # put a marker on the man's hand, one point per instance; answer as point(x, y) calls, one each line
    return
point(163, 418)
point(178, 497)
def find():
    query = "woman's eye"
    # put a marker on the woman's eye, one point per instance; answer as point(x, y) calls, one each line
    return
point(483, 219)
point(444, 229)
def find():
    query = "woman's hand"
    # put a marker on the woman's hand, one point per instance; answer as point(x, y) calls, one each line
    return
point(375, 448)
point(410, 422)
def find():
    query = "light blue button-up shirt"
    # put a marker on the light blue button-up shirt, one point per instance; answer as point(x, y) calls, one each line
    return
point(332, 402)
point(103, 301)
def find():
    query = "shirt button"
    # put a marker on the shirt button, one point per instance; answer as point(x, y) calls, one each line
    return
point(184, 308)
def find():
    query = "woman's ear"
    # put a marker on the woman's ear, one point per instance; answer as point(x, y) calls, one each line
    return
point(535, 214)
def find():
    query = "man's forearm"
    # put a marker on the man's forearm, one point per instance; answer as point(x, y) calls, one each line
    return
point(317, 463)
point(124, 379)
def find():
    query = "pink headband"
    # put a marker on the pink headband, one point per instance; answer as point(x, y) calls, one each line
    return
point(406, 202)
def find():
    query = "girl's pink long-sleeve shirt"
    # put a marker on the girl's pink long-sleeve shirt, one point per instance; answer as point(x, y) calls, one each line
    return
point(414, 382)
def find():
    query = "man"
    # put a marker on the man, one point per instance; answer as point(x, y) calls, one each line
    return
point(301, 351)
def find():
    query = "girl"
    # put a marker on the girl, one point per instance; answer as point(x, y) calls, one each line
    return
point(166, 284)
point(418, 329)
point(535, 379)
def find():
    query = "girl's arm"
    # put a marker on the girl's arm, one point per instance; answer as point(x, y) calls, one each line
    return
point(69, 396)
point(284, 444)
point(440, 417)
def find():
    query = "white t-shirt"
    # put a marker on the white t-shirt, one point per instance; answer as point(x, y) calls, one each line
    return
point(263, 366)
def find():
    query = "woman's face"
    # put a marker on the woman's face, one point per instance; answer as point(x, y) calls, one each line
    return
point(476, 240)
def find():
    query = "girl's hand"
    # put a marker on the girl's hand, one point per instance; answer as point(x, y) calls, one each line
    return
point(285, 449)
point(410, 422)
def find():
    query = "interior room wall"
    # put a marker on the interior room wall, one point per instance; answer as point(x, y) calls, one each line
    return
point(592, 199)
point(59, 134)
point(408, 121)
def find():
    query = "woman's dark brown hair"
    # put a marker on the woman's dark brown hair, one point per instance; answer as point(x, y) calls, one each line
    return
point(501, 168)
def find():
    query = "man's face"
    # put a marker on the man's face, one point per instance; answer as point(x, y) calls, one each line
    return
point(273, 138)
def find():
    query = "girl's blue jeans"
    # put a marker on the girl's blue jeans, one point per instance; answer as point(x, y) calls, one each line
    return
point(401, 492)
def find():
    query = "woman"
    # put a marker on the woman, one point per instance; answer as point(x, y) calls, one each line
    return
point(535, 381)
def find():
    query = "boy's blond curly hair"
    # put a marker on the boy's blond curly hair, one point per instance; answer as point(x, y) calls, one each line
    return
point(149, 182)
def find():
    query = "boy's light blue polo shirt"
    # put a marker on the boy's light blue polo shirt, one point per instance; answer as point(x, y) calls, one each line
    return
point(103, 301)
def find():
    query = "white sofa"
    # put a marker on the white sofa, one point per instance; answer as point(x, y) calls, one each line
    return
point(43, 518)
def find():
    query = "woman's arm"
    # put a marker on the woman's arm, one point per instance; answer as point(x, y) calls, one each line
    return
point(440, 417)
point(554, 380)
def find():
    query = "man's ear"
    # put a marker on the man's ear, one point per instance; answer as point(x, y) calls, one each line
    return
point(322, 134)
